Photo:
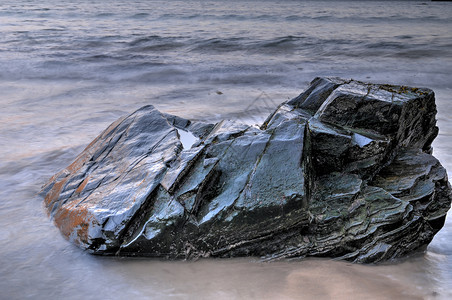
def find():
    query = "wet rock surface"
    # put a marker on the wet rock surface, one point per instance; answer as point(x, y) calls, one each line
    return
point(343, 170)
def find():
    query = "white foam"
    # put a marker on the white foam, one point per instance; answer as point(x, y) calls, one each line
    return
point(187, 138)
point(361, 140)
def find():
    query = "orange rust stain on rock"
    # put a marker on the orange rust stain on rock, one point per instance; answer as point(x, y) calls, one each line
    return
point(54, 193)
point(79, 162)
point(82, 186)
point(70, 218)
point(53, 178)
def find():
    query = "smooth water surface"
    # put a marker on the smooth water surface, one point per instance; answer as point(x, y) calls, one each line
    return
point(70, 68)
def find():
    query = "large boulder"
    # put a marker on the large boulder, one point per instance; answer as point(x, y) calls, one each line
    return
point(343, 170)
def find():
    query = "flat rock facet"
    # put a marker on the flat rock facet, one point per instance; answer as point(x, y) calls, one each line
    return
point(343, 170)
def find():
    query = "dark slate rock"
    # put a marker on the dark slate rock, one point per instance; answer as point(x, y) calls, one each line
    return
point(343, 170)
point(319, 90)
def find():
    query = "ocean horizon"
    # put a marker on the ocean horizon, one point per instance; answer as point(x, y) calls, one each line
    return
point(70, 68)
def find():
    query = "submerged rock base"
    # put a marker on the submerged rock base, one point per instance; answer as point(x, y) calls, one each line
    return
point(343, 170)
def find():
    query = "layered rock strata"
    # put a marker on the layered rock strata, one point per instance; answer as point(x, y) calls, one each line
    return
point(343, 170)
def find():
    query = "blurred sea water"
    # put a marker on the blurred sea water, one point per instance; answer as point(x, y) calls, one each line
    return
point(70, 68)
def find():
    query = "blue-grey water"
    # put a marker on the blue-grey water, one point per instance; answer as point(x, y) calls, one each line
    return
point(69, 68)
